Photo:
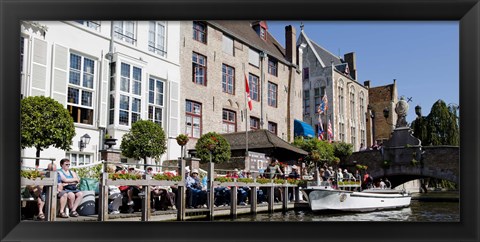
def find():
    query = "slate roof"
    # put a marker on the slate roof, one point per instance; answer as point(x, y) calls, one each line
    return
point(260, 139)
point(244, 32)
point(325, 55)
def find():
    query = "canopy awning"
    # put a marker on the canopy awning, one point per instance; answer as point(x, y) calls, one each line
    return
point(302, 129)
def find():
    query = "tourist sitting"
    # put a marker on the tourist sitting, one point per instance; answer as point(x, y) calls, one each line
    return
point(115, 196)
point(348, 176)
point(38, 193)
point(388, 184)
point(196, 197)
point(382, 184)
point(69, 181)
point(339, 175)
point(130, 191)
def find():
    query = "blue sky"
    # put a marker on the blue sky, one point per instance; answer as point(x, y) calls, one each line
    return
point(422, 56)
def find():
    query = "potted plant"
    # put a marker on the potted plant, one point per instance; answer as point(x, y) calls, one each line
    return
point(182, 139)
point(109, 140)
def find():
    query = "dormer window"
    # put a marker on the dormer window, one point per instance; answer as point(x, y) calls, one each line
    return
point(261, 28)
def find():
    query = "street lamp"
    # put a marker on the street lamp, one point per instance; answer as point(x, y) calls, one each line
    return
point(84, 141)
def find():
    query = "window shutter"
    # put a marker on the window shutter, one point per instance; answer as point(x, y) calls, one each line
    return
point(174, 109)
point(104, 111)
point(39, 68)
point(227, 45)
point(60, 74)
point(253, 57)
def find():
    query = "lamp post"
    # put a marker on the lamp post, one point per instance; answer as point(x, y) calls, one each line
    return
point(84, 141)
point(372, 116)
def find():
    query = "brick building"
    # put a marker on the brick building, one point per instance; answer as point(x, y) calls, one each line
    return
point(216, 58)
point(381, 98)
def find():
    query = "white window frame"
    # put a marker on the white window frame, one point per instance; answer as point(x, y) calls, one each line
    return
point(133, 111)
point(82, 89)
point(74, 158)
point(229, 125)
point(95, 25)
point(157, 37)
point(158, 104)
point(122, 33)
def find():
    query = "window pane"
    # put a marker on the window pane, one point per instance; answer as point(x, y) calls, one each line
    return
point(87, 98)
point(136, 105)
point(73, 95)
point(124, 100)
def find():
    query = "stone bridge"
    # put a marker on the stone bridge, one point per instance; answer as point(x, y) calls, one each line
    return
point(403, 164)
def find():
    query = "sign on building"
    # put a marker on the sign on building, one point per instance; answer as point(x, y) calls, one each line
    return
point(256, 161)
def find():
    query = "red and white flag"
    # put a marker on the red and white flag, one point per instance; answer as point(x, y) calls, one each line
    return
point(330, 131)
point(247, 89)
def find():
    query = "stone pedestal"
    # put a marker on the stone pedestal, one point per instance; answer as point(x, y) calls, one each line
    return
point(111, 156)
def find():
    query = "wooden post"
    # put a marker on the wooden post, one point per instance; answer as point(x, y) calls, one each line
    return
point(51, 198)
point(271, 198)
point(253, 200)
point(233, 201)
point(181, 192)
point(296, 192)
point(146, 201)
point(285, 198)
point(211, 190)
point(103, 198)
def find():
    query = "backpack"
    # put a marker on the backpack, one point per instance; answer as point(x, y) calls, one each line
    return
point(87, 206)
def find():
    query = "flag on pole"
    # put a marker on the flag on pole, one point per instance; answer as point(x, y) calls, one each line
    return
point(330, 131)
point(323, 107)
point(320, 128)
point(247, 89)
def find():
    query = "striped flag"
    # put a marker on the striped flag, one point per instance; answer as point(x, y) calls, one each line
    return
point(320, 128)
point(323, 107)
point(247, 89)
point(330, 131)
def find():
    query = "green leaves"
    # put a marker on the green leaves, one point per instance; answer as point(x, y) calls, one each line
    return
point(45, 122)
point(145, 139)
point(319, 151)
point(218, 145)
point(440, 127)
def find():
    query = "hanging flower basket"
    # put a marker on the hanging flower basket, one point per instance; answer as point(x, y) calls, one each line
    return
point(182, 139)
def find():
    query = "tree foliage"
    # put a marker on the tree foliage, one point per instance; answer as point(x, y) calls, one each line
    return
point(145, 139)
point(342, 150)
point(45, 122)
point(220, 148)
point(319, 151)
point(440, 127)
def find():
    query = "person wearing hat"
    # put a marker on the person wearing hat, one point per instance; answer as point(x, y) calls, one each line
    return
point(195, 196)
point(293, 175)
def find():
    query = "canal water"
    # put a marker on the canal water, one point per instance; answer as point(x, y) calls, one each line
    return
point(419, 211)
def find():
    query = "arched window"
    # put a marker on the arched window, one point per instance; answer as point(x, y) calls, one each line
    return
point(352, 103)
point(341, 108)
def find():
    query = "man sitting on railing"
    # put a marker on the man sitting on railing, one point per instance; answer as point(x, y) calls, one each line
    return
point(38, 192)
point(130, 191)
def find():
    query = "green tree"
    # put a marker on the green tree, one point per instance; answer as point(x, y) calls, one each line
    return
point(145, 139)
point(319, 151)
point(442, 128)
point(215, 143)
point(342, 150)
point(45, 122)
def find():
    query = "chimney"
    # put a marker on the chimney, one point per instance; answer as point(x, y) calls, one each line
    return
point(366, 83)
point(291, 44)
point(352, 63)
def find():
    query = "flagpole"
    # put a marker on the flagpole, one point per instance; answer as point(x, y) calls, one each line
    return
point(246, 117)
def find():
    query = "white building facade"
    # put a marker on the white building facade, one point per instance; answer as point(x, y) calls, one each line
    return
point(108, 74)
point(325, 73)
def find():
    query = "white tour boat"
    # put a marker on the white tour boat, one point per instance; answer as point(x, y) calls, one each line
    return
point(348, 197)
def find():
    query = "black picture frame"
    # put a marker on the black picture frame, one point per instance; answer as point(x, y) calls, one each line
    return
point(467, 12)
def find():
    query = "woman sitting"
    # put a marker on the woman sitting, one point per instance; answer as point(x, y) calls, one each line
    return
point(69, 181)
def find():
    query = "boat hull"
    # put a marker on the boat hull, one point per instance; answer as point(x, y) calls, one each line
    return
point(329, 199)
